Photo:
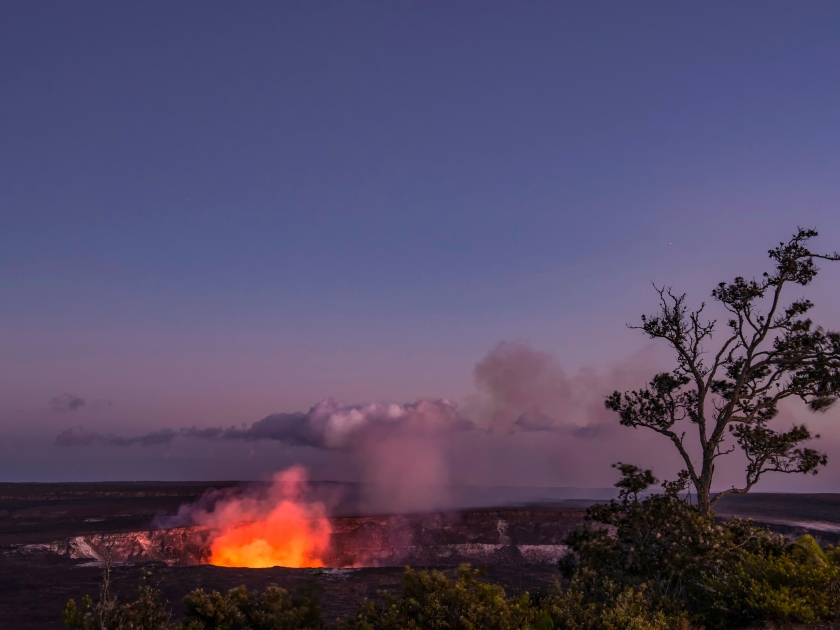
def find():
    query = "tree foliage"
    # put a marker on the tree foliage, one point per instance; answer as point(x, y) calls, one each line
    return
point(769, 352)
point(633, 481)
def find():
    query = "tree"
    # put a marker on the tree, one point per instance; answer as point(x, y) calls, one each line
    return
point(771, 352)
point(147, 612)
point(633, 481)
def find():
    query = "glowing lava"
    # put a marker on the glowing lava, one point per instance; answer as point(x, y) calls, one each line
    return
point(282, 529)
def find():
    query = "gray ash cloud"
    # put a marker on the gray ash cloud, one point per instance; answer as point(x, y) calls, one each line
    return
point(66, 402)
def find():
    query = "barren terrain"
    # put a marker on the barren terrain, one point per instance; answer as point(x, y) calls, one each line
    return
point(51, 536)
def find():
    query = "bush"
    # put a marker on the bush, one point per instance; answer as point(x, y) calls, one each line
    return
point(430, 601)
point(717, 575)
point(614, 608)
point(238, 609)
point(241, 609)
point(147, 612)
point(799, 585)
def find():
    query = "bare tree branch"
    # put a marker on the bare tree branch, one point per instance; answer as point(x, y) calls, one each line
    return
point(768, 356)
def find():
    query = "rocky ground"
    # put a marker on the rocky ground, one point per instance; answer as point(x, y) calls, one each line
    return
point(38, 574)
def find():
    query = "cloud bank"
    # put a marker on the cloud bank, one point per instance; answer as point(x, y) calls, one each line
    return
point(329, 425)
point(519, 389)
point(409, 454)
point(66, 402)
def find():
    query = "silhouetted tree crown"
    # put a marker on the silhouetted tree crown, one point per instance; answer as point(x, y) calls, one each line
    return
point(770, 352)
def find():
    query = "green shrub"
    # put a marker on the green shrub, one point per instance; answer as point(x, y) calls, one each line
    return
point(430, 600)
point(660, 544)
point(241, 609)
point(661, 551)
point(238, 609)
point(614, 608)
point(799, 585)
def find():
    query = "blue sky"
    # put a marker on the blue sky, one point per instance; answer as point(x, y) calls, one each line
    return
point(210, 212)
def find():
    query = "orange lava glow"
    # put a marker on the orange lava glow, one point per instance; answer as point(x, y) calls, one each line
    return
point(281, 530)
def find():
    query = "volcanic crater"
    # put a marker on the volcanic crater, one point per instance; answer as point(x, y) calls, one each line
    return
point(489, 536)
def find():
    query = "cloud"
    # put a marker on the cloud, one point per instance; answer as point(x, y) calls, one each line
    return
point(164, 436)
point(400, 448)
point(76, 436)
point(66, 402)
point(529, 419)
point(591, 431)
point(535, 420)
point(329, 425)
point(520, 389)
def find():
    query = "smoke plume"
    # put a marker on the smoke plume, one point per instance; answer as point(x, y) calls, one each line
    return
point(521, 389)
point(279, 526)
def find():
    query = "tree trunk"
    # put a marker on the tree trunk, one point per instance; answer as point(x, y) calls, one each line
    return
point(704, 496)
point(704, 503)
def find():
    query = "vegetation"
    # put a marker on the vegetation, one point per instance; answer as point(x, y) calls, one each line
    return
point(770, 352)
point(685, 565)
point(241, 609)
point(429, 600)
point(238, 609)
point(147, 612)
point(652, 563)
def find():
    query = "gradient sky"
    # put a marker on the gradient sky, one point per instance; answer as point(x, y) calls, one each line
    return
point(210, 212)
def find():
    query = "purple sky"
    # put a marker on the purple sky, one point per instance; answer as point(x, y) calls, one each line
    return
point(212, 212)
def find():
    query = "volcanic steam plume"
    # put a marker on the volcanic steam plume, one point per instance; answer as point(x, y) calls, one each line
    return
point(277, 528)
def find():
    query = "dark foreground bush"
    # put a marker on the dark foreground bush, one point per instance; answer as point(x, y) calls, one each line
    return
point(241, 609)
point(147, 612)
point(238, 609)
point(716, 575)
point(429, 600)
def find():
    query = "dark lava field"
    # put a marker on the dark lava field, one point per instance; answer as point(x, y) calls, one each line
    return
point(52, 538)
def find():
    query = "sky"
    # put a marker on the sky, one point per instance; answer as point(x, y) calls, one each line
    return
point(215, 212)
